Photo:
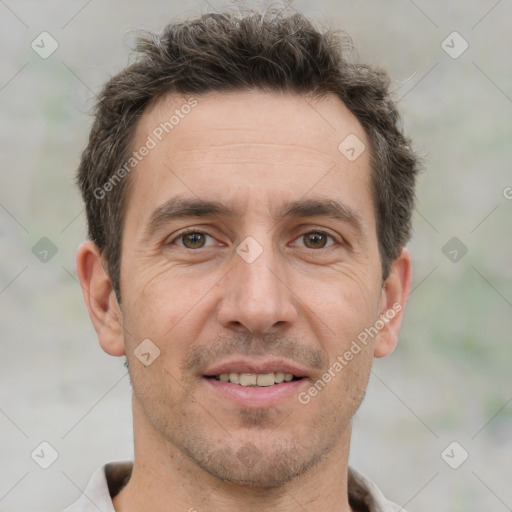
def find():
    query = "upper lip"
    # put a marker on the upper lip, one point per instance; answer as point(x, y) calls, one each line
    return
point(266, 366)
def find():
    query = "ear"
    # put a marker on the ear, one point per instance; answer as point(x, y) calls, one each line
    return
point(395, 293)
point(100, 299)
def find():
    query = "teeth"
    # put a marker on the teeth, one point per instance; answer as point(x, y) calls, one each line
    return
point(265, 379)
point(253, 379)
point(248, 379)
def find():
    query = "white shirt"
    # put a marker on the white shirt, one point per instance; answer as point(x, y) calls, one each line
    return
point(109, 479)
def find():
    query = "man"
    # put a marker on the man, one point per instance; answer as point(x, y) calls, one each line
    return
point(249, 197)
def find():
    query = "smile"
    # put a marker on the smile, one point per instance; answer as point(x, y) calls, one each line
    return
point(255, 379)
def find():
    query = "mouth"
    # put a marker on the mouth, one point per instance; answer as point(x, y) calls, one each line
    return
point(255, 384)
point(255, 379)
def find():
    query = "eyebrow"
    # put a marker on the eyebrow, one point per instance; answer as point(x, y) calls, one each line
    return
point(178, 208)
point(322, 208)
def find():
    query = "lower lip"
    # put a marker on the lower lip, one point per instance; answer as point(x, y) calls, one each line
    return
point(256, 396)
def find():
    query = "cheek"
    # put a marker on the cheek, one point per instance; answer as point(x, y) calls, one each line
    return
point(342, 307)
point(153, 294)
point(165, 304)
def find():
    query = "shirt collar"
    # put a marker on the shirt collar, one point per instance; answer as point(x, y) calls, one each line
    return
point(109, 479)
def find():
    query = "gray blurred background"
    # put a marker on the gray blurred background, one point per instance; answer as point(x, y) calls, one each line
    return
point(449, 379)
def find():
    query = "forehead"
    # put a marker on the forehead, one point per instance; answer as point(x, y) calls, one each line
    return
point(255, 116)
point(240, 144)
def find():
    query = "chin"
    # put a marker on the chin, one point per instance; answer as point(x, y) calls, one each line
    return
point(252, 466)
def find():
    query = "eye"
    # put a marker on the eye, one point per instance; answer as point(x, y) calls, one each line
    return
point(316, 240)
point(192, 240)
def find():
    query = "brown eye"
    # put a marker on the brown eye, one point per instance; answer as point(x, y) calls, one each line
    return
point(315, 240)
point(193, 240)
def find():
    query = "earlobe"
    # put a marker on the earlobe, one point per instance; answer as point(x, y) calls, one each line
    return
point(100, 299)
point(395, 293)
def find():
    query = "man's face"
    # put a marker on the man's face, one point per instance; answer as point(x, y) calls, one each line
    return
point(281, 276)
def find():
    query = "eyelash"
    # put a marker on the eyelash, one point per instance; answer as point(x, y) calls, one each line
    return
point(188, 232)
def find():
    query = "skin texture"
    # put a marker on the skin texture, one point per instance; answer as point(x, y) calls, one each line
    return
point(303, 299)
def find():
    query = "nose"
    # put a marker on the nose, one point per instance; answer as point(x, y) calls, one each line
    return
point(257, 297)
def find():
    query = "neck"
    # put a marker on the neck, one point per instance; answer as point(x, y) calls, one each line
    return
point(166, 480)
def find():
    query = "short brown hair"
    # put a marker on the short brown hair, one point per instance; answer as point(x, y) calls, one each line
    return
point(240, 49)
